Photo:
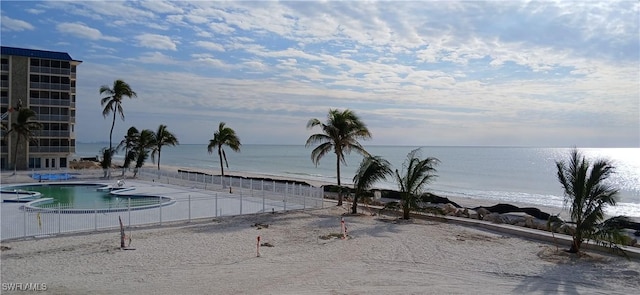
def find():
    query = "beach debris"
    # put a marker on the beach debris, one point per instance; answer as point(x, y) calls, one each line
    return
point(5, 248)
point(260, 225)
point(331, 236)
point(266, 244)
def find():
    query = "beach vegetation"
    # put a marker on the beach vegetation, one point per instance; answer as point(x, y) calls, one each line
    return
point(112, 104)
point(416, 174)
point(340, 135)
point(128, 144)
point(587, 194)
point(372, 169)
point(142, 147)
point(24, 130)
point(224, 136)
point(162, 137)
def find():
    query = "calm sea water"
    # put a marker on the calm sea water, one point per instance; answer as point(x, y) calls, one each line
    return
point(501, 174)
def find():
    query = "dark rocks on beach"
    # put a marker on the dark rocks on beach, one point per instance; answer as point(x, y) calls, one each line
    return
point(508, 208)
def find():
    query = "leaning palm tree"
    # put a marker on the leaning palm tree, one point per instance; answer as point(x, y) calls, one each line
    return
point(588, 194)
point(340, 135)
point(112, 103)
point(143, 145)
point(24, 129)
point(224, 136)
point(416, 173)
point(162, 137)
point(372, 169)
point(128, 143)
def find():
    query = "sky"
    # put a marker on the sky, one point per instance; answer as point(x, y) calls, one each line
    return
point(420, 73)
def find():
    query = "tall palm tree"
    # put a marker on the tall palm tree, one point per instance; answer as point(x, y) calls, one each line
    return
point(224, 136)
point(143, 145)
point(24, 129)
point(588, 194)
point(162, 137)
point(112, 103)
point(128, 143)
point(372, 169)
point(340, 134)
point(416, 174)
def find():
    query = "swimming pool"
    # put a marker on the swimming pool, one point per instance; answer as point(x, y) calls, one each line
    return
point(83, 197)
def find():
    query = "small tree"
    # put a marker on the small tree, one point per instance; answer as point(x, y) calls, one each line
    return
point(142, 147)
point(24, 129)
point(221, 137)
point(162, 137)
point(340, 135)
point(372, 169)
point(416, 174)
point(128, 143)
point(588, 194)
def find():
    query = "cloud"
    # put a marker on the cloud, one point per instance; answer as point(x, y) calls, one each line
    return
point(161, 6)
point(83, 31)
point(156, 42)
point(10, 24)
point(209, 45)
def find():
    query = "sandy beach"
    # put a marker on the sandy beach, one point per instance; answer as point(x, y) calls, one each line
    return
point(382, 255)
point(302, 253)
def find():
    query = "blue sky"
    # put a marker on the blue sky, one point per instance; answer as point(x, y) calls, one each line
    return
point(488, 73)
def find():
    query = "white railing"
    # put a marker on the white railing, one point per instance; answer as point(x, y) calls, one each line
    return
point(210, 200)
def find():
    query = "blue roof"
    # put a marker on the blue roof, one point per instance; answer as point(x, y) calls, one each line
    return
point(35, 53)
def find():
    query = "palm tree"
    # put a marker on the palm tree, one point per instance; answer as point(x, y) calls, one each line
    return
point(340, 134)
point(224, 136)
point(372, 169)
point(143, 145)
point(128, 143)
point(416, 174)
point(588, 194)
point(24, 129)
point(162, 137)
point(113, 103)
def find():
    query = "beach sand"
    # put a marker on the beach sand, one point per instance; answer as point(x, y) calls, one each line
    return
point(382, 255)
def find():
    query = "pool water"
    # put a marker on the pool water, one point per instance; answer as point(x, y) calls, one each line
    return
point(86, 196)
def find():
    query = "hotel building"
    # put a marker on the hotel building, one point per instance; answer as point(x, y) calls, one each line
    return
point(45, 82)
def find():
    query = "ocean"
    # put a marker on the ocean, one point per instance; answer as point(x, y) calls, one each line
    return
point(500, 174)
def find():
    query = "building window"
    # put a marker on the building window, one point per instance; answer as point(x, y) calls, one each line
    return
point(35, 163)
point(35, 62)
point(63, 162)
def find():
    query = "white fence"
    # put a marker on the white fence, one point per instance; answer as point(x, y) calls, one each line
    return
point(202, 199)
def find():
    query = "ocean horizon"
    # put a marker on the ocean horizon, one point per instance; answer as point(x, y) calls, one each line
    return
point(502, 174)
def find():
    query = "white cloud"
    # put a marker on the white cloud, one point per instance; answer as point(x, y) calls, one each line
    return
point(83, 31)
point(209, 45)
point(156, 41)
point(162, 6)
point(10, 24)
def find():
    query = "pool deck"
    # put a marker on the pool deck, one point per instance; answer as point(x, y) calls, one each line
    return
point(190, 203)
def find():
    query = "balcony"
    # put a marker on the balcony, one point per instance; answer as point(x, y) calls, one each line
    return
point(50, 102)
point(53, 118)
point(53, 133)
point(49, 149)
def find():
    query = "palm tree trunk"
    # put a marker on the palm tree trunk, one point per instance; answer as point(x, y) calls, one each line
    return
point(221, 165)
point(158, 159)
point(354, 206)
point(113, 123)
point(339, 186)
point(15, 156)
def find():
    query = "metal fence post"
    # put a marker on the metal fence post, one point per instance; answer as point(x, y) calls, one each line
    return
point(216, 207)
point(24, 217)
point(59, 219)
point(240, 202)
point(129, 210)
point(160, 203)
point(95, 215)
